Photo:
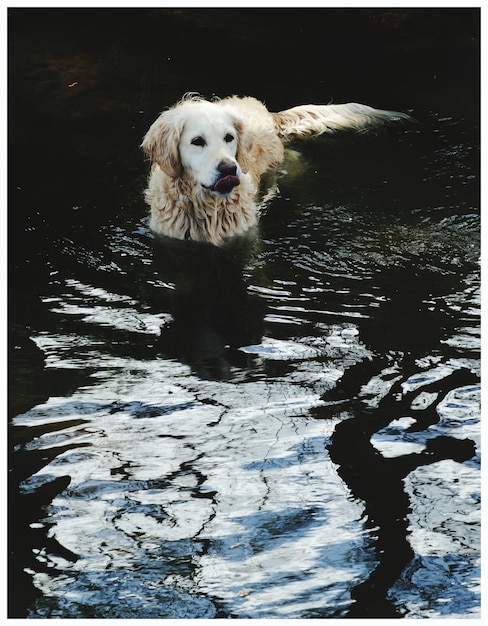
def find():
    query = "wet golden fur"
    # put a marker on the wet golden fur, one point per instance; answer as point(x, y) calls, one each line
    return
point(197, 144)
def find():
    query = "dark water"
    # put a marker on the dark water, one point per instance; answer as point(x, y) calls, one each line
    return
point(286, 427)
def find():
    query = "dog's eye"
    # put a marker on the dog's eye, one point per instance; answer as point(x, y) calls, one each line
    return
point(229, 138)
point(198, 141)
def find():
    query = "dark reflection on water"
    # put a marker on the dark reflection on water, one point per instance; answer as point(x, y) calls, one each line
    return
point(379, 483)
point(287, 426)
point(213, 315)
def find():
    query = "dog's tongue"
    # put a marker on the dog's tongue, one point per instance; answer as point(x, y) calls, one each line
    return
point(226, 184)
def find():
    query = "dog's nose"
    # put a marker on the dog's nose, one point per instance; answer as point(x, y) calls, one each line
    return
point(227, 168)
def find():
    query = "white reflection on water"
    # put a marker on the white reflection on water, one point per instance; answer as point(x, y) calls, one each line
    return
point(180, 487)
point(238, 471)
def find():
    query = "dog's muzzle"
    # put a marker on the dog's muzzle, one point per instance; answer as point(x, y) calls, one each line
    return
point(228, 178)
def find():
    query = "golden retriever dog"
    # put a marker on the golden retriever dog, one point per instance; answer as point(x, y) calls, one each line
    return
point(209, 156)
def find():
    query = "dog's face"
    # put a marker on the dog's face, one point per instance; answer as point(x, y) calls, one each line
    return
point(200, 141)
point(208, 149)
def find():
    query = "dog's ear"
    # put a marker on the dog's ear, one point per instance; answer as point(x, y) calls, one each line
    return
point(161, 143)
point(244, 145)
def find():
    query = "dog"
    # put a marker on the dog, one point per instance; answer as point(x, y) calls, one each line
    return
point(209, 157)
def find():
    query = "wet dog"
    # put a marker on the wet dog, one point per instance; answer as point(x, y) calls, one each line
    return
point(209, 157)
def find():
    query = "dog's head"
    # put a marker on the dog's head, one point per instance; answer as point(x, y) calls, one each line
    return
point(199, 140)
